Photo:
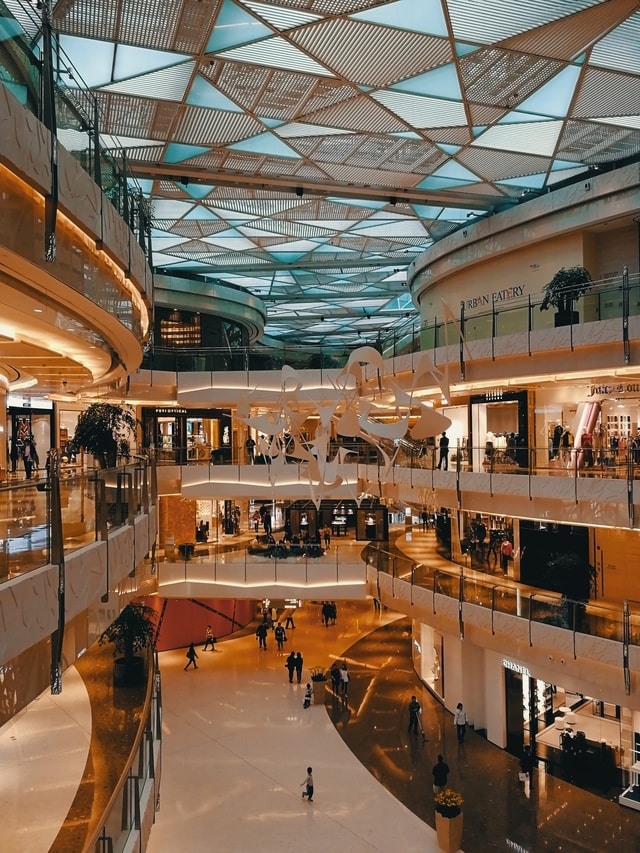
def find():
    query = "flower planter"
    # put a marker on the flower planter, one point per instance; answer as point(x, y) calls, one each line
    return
point(449, 831)
point(319, 691)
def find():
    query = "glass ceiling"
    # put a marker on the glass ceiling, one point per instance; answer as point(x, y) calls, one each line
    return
point(309, 150)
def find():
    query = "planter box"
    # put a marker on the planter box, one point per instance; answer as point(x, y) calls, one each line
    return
point(449, 831)
point(319, 688)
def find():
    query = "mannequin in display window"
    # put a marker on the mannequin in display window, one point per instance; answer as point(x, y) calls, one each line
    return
point(586, 442)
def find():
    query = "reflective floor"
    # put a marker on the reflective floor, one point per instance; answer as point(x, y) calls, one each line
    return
point(237, 742)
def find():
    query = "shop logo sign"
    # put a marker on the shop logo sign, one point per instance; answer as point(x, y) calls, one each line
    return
point(495, 296)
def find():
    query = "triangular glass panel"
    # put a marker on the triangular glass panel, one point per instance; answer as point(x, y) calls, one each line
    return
point(94, 57)
point(198, 190)
point(554, 98)
point(199, 211)
point(442, 82)
point(422, 17)
point(131, 61)
point(267, 144)
point(167, 84)
point(279, 53)
point(234, 27)
point(535, 182)
point(285, 257)
point(203, 94)
point(177, 152)
point(454, 170)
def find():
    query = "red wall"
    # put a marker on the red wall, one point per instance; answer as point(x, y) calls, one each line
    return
point(185, 620)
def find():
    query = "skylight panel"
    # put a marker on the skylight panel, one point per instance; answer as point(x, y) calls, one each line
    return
point(203, 94)
point(168, 84)
point(276, 53)
point(442, 82)
point(94, 58)
point(297, 129)
point(165, 208)
point(282, 19)
point(423, 112)
point(234, 26)
point(267, 144)
point(133, 61)
point(554, 98)
point(489, 21)
point(424, 16)
point(535, 138)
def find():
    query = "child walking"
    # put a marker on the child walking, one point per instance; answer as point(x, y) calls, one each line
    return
point(308, 793)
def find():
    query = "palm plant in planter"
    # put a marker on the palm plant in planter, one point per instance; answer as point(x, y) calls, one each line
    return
point(105, 430)
point(561, 292)
point(133, 630)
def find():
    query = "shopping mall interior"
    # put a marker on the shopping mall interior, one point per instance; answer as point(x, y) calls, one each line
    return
point(320, 303)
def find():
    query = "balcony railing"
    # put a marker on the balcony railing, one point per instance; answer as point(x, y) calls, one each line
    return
point(615, 298)
point(617, 622)
point(71, 507)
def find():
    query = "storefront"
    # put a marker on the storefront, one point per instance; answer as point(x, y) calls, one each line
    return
point(181, 435)
point(29, 422)
point(500, 430)
point(575, 736)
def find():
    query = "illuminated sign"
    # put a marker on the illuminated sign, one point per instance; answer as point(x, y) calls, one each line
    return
point(515, 667)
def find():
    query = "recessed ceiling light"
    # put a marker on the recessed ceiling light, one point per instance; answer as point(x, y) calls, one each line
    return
point(37, 310)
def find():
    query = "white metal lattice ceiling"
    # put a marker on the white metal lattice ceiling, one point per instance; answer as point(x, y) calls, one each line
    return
point(308, 150)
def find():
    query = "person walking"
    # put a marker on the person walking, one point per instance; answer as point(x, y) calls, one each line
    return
point(425, 520)
point(191, 654)
point(440, 772)
point(250, 447)
point(326, 532)
point(443, 461)
point(308, 783)
point(506, 552)
point(526, 765)
point(334, 674)
point(280, 635)
point(344, 682)
point(261, 633)
point(290, 664)
point(460, 721)
point(481, 535)
point(308, 695)
point(289, 620)
point(210, 640)
point(299, 661)
point(415, 710)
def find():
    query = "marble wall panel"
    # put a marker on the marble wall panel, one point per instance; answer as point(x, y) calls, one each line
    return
point(120, 554)
point(86, 577)
point(25, 143)
point(28, 610)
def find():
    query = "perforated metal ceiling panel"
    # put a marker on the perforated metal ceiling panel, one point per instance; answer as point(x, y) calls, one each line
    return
point(284, 141)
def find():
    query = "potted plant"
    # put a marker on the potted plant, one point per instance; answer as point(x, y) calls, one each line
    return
point(133, 630)
point(319, 680)
point(561, 292)
point(449, 819)
point(105, 430)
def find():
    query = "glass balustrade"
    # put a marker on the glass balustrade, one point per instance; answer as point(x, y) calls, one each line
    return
point(84, 506)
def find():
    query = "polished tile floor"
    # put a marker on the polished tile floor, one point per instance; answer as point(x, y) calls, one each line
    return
point(237, 742)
